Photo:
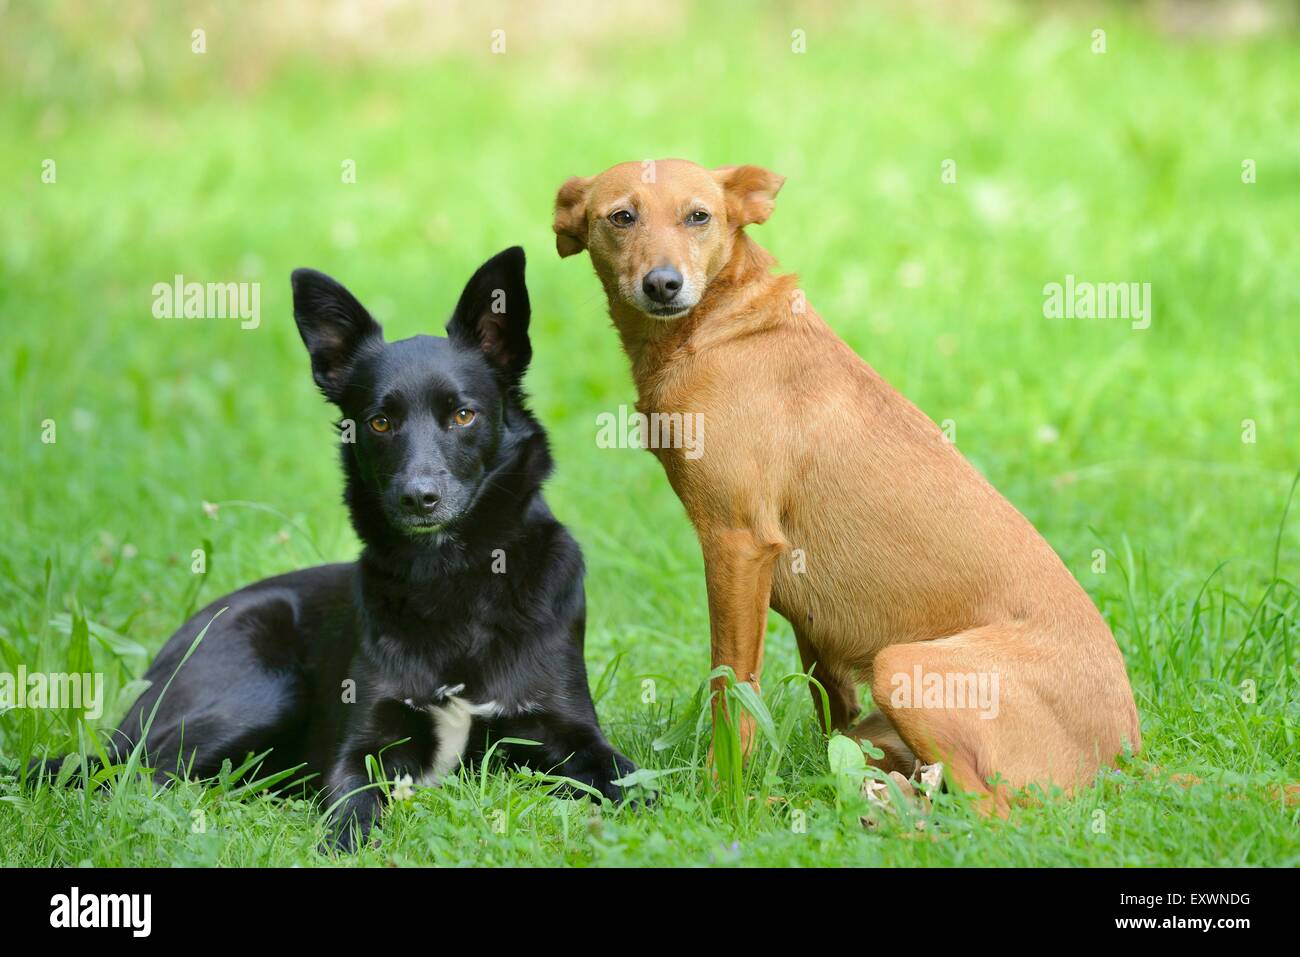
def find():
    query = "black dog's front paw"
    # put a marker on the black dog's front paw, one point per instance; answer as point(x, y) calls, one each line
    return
point(337, 843)
point(628, 793)
point(345, 840)
point(349, 826)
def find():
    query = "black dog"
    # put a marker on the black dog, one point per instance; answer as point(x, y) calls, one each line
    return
point(463, 619)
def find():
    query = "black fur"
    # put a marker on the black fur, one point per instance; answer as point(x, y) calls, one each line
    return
point(466, 579)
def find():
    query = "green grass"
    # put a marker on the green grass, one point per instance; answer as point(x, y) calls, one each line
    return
point(1124, 166)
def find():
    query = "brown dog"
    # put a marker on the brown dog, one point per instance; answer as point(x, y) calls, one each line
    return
point(823, 493)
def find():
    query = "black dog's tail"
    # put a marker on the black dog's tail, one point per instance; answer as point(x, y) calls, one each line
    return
point(49, 768)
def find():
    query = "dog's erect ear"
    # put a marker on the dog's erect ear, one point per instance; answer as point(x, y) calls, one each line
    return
point(751, 193)
point(570, 222)
point(334, 326)
point(493, 313)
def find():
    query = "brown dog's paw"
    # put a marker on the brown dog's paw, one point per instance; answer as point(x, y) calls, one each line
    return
point(915, 794)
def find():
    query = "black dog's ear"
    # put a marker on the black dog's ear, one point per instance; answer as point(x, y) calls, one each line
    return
point(493, 313)
point(334, 327)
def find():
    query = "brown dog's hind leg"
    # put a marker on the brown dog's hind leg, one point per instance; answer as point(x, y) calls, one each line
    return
point(1005, 706)
point(877, 729)
point(841, 693)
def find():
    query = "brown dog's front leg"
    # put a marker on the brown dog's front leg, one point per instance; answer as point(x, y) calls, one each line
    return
point(738, 573)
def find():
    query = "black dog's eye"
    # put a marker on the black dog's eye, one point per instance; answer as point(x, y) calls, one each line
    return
point(698, 217)
point(380, 423)
point(622, 218)
point(464, 417)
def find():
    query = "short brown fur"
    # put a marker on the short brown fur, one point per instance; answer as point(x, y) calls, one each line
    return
point(912, 558)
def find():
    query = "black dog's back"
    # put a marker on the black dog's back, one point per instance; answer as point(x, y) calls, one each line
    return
point(254, 682)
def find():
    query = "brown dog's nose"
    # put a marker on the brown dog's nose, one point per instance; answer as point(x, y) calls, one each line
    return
point(662, 284)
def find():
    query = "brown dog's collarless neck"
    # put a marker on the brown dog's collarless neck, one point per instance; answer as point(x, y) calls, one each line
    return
point(652, 345)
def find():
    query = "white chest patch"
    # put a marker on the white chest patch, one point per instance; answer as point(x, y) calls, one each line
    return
point(452, 721)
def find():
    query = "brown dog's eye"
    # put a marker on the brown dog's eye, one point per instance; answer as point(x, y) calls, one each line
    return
point(380, 423)
point(622, 218)
point(464, 416)
point(698, 218)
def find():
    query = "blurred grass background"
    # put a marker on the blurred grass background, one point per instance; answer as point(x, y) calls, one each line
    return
point(226, 166)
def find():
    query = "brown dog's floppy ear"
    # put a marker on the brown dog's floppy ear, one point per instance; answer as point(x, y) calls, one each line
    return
point(570, 223)
point(751, 193)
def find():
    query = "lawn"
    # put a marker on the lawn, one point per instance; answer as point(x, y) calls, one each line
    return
point(943, 167)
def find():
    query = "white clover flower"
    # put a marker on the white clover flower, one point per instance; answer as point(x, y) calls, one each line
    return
point(402, 789)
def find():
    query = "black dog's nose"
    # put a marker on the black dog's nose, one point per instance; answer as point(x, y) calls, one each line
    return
point(662, 284)
point(420, 498)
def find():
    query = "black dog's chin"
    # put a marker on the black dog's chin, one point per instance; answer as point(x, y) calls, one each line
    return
point(423, 529)
point(419, 530)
